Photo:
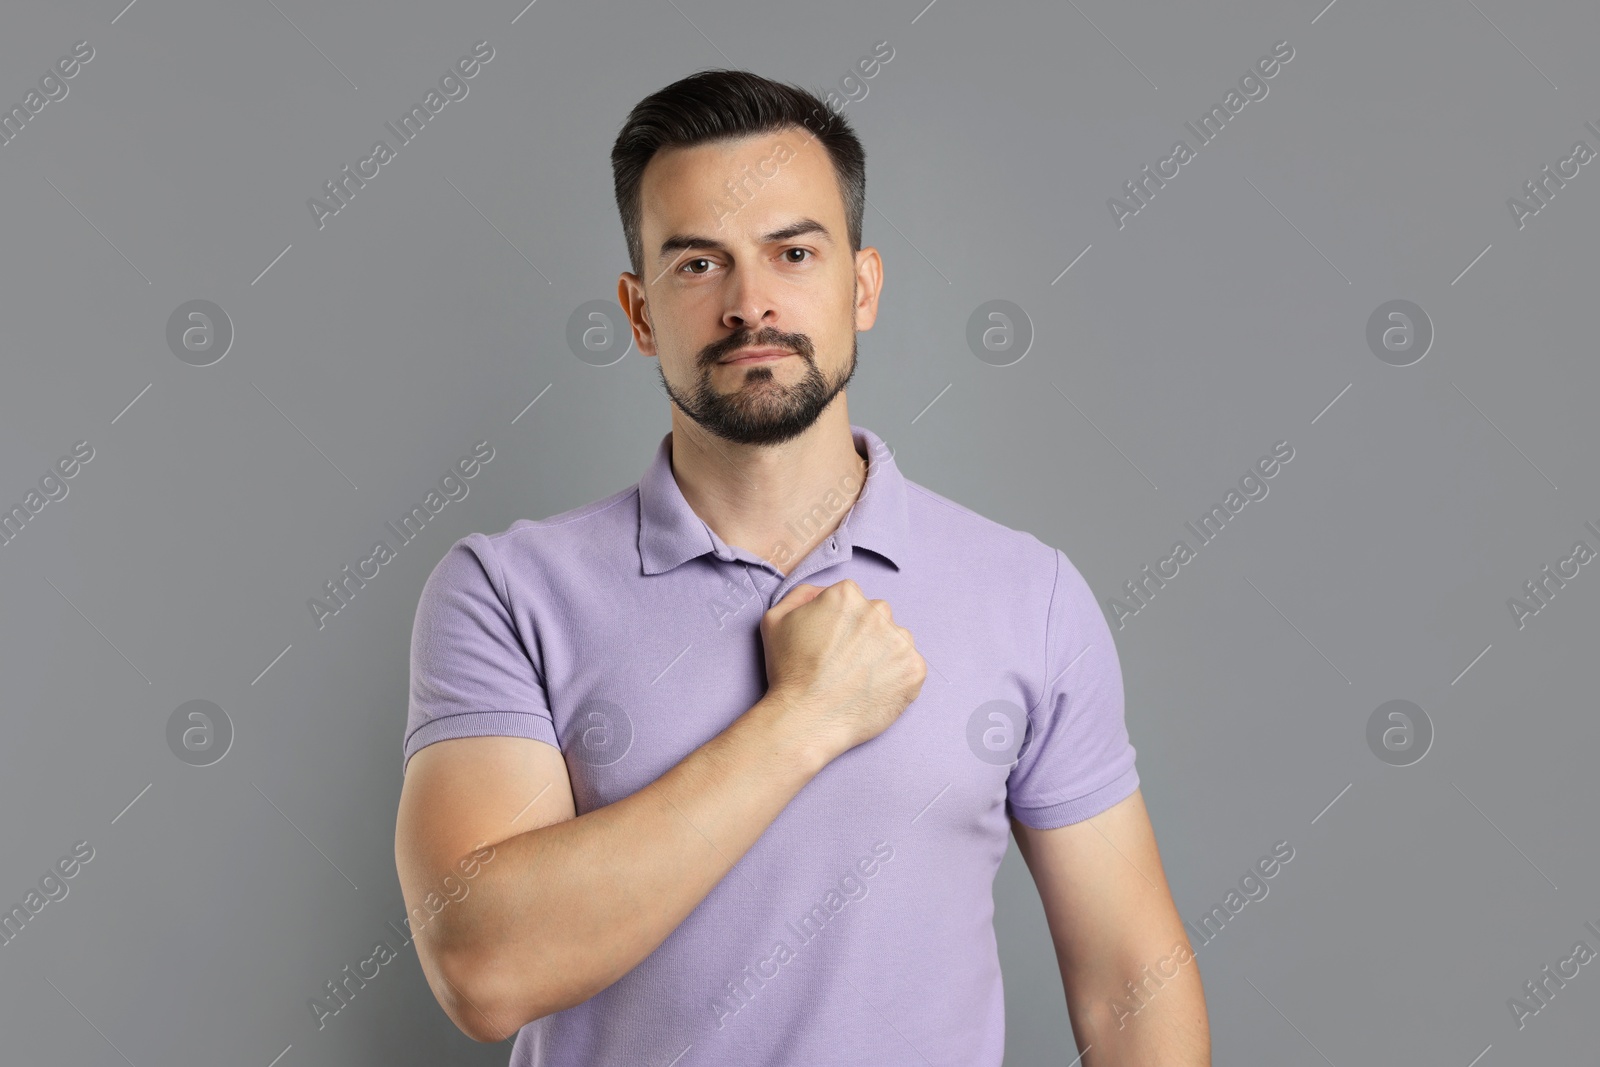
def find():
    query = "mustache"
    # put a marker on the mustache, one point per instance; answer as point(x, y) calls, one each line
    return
point(767, 335)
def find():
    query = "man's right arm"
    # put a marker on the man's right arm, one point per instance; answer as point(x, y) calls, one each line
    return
point(567, 905)
point(570, 903)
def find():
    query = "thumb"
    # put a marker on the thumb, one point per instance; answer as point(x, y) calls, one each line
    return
point(799, 596)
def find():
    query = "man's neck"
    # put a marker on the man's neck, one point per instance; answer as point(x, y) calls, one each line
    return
point(776, 501)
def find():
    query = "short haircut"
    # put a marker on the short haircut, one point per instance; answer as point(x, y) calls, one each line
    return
point(718, 105)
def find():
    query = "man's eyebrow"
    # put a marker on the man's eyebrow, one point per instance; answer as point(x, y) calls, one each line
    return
point(680, 242)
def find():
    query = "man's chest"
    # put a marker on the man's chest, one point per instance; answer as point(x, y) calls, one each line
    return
point(644, 678)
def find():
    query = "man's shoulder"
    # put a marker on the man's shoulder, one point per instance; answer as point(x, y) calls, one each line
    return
point(1033, 588)
point(589, 530)
point(610, 513)
point(949, 524)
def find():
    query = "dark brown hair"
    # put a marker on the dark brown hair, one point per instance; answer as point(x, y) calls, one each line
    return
point(717, 105)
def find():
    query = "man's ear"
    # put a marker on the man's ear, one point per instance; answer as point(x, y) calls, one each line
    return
point(630, 294)
point(868, 286)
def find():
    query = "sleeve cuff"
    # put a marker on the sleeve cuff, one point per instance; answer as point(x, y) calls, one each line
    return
point(1087, 806)
point(528, 724)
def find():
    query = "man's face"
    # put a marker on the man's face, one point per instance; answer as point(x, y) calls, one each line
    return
point(746, 249)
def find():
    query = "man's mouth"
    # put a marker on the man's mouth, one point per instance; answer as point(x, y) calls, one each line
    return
point(756, 355)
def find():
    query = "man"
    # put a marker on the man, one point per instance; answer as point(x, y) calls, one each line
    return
point(733, 753)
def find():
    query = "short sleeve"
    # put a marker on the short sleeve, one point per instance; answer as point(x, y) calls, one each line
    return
point(1076, 760)
point(472, 674)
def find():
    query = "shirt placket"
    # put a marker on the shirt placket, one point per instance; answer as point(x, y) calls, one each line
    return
point(817, 561)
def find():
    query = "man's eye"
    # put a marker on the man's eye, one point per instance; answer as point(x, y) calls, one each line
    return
point(802, 251)
point(702, 259)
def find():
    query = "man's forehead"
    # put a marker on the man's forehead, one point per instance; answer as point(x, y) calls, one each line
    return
point(752, 181)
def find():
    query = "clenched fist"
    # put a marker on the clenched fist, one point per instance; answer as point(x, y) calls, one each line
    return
point(839, 663)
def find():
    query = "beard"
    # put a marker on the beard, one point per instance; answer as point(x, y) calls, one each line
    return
point(760, 410)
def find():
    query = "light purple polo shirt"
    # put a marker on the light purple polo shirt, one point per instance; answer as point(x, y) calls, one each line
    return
point(858, 929)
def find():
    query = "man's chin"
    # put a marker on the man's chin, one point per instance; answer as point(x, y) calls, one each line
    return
point(758, 427)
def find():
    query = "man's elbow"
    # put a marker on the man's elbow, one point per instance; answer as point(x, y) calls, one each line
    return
point(492, 990)
point(480, 999)
point(476, 1021)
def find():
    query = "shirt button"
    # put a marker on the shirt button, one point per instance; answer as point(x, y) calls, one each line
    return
point(832, 543)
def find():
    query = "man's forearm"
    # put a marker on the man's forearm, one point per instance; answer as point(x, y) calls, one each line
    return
point(1144, 1018)
point(567, 909)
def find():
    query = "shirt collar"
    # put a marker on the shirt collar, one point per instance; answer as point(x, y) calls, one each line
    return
point(671, 533)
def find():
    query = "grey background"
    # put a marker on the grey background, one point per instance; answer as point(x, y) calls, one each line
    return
point(1228, 315)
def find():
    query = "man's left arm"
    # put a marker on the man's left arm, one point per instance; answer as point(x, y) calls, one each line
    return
point(1131, 979)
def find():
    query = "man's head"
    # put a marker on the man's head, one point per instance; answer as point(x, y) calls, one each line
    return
point(741, 201)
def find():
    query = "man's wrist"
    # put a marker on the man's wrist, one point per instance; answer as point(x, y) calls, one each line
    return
point(785, 734)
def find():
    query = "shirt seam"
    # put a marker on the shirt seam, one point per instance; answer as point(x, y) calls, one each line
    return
point(505, 598)
point(1049, 620)
point(928, 495)
point(432, 719)
point(1132, 770)
point(622, 496)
